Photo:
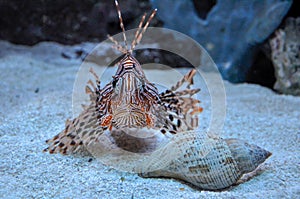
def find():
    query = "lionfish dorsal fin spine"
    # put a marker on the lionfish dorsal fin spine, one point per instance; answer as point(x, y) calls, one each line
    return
point(138, 34)
point(121, 24)
point(117, 46)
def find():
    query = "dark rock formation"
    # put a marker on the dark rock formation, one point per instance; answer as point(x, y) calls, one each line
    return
point(285, 48)
point(64, 21)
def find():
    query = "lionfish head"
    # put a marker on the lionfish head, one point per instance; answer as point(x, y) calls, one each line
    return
point(129, 99)
point(133, 97)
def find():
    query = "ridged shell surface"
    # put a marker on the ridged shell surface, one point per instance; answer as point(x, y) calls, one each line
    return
point(212, 163)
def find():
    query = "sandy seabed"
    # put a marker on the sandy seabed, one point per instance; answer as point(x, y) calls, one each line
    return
point(36, 99)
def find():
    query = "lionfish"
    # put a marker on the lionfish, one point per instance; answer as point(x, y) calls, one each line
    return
point(129, 100)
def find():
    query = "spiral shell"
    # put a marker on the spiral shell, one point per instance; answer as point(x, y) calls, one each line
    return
point(210, 163)
point(213, 163)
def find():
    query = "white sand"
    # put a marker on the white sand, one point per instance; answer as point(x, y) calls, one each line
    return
point(27, 119)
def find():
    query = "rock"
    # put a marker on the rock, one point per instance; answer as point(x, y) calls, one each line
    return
point(230, 31)
point(286, 57)
point(66, 22)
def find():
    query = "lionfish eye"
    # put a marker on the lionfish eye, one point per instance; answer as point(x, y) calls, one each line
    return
point(142, 87)
point(114, 82)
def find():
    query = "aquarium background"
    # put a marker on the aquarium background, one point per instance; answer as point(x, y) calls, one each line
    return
point(43, 44)
point(235, 33)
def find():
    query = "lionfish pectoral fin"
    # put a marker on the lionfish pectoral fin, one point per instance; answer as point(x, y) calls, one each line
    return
point(188, 78)
point(197, 110)
point(76, 134)
point(64, 143)
point(88, 90)
point(181, 104)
